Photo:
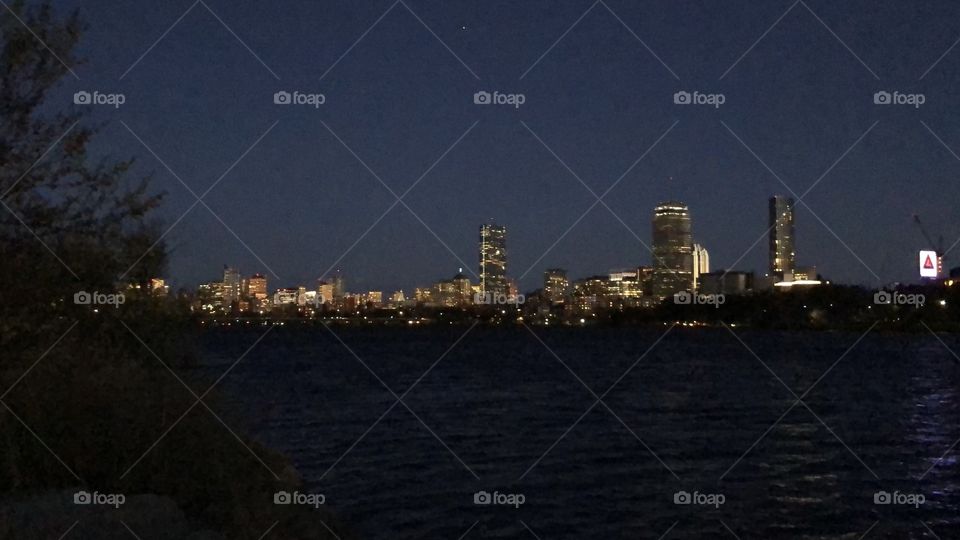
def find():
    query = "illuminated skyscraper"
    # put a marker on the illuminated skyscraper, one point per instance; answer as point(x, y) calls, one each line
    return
point(493, 260)
point(672, 249)
point(782, 255)
point(257, 287)
point(339, 286)
point(231, 286)
point(701, 264)
point(555, 285)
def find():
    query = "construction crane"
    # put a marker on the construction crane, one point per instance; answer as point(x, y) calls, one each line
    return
point(936, 246)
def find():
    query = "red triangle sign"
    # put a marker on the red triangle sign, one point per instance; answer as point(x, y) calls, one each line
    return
point(928, 264)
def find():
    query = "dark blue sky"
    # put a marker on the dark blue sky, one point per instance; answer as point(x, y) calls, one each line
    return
point(399, 99)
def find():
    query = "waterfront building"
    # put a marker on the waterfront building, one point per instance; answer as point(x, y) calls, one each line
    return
point(493, 260)
point(257, 287)
point(701, 263)
point(672, 249)
point(781, 241)
point(555, 285)
point(231, 286)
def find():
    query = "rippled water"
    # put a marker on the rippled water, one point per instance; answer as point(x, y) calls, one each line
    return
point(700, 413)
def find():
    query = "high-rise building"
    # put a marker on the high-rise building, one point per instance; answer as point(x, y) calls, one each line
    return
point(625, 286)
point(672, 249)
point(257, 287)
point(210, 296)
point(339, 286)
point(782, 255)
point(590, 293)
point(493, 260)
point(231, 286)
point(555, 285)
point(701, 264)
point(324, 292)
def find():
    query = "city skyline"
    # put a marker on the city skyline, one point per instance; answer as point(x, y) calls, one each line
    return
point(677, 263)
point(324, 164)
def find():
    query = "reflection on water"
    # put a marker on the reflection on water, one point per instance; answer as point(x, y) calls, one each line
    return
point(699, 413)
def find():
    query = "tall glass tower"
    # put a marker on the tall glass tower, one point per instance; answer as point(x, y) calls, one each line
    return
point(782, 255)
point(672, 249)
point(231, 286)
point(493, 260)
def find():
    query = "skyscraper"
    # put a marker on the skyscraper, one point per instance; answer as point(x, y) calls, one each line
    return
point(231, 286)
point(493, 260)
point(339, 286)
point(555, 285)
point(257, 287)
point(782, 255)
point(701, 264)
point(672, 249)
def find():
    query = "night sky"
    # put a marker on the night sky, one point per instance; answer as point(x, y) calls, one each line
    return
point(800, 99)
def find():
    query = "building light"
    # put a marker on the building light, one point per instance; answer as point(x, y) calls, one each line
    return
point(798, 283)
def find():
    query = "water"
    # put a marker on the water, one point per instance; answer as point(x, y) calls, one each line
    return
point(698, 413)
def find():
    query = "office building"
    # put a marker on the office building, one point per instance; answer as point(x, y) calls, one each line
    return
point(257, 287)
point(701, 264)
point(287, 296)
point(555, 285)
point(625, 285)
point(782, 255)
point(210, 297)
point(493, 260)
point(231, 286)
point(672, 249)
point(590, 294)
point(805, 273)
point(729, 282)
point(339, 286)
point(324, 292)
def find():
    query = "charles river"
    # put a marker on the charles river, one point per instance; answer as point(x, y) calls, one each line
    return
point(782, 435)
